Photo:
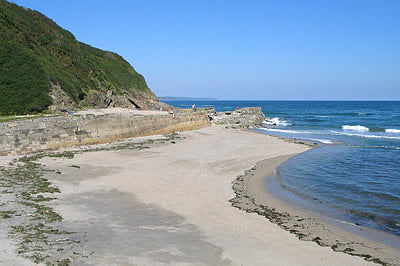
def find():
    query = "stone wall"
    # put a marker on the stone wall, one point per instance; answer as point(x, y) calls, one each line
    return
point(50, 133)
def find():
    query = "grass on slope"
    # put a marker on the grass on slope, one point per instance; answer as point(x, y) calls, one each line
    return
point(35, 52)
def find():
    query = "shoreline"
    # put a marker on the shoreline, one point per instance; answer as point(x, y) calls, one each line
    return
point(252, 196)
point(273, 187)
point(165, 200)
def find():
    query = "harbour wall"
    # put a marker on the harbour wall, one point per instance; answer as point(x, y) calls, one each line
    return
point(52, 133)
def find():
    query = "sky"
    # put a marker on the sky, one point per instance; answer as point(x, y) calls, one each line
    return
point(246, 50)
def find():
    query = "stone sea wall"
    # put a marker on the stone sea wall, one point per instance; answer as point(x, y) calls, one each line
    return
point(51, 133)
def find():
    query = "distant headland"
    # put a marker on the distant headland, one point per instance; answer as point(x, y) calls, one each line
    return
point(168, 98)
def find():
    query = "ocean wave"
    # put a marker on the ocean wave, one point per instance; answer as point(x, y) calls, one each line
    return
point(352, 114)
point(365, 113)
point(286, 131)
point(275, 121)
point(384, 147)
point(372, 129)
point(392, 130)
point(376, 129)
point(364, 135)
point(355, 128)
point(348, 114)
point(313, 120)
point(376, 147)
point(325, 141)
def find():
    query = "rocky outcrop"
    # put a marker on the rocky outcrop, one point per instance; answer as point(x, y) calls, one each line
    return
point(137, 100)
point(60, 100)
point(243, 118)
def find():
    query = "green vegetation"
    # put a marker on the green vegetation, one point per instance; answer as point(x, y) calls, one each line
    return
point(36, 54)
point(32, 222)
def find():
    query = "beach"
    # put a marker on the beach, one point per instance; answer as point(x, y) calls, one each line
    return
point(196, 134)
point(169, 203)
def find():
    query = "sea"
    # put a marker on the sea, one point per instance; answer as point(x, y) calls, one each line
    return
point(354, 173)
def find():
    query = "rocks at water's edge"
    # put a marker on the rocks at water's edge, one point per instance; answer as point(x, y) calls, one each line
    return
point(247, 117)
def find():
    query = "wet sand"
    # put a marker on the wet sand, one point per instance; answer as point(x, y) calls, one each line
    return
point(171, 203)
point(253, 197)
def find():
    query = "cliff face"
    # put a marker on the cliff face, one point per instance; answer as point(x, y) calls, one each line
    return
point(43, 66)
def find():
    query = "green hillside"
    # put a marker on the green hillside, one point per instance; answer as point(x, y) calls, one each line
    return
point(36, 54)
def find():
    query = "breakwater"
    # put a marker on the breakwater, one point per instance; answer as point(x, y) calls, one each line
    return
point(52, 133)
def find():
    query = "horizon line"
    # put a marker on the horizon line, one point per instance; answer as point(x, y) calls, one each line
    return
point(288, 100)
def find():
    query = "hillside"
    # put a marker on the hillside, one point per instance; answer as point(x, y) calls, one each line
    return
point(43, 66)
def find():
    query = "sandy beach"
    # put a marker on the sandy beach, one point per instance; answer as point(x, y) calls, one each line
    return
point(190, 133)
point(169, 203)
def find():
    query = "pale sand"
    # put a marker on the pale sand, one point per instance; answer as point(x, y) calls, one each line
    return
point(170, 204)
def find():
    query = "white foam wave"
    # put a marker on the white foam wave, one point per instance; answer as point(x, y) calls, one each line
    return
point(325, 141)
point(286, 131)
point(275, 121)
point(386, 147)
point(392, 130)
point(365, 135)
point(355, 128)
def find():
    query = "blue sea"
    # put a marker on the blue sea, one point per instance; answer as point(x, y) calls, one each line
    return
point(354, 174)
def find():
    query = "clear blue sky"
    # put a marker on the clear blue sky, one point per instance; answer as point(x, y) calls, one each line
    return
point(290, 50)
